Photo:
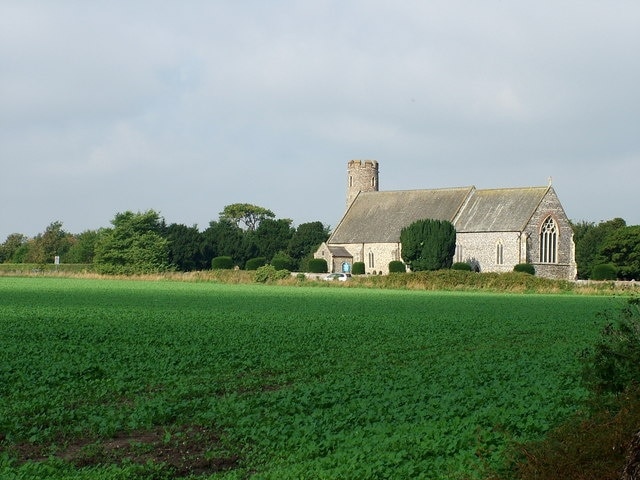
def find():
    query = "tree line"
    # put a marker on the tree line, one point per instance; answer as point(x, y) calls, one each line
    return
point(607, 250)
point(143, 242)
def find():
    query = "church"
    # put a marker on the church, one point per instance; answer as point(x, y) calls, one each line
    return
point(496, 229)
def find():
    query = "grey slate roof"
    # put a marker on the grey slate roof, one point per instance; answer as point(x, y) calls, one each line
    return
point(378, 217)
point(338, 251)
point(499, 210)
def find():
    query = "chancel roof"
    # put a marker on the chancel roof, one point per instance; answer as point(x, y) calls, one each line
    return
point(379, 217)
point(499, 210)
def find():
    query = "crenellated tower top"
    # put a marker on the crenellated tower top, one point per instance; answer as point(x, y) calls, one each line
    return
point(362, 177)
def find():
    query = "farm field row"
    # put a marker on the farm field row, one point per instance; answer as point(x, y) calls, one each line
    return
point(141, 379)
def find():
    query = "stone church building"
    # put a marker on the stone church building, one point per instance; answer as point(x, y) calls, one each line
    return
point(495, 228)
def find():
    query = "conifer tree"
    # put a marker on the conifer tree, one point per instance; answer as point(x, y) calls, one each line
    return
point(428, 244)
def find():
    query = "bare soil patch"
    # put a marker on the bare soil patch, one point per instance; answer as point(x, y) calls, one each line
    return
point(189, 450)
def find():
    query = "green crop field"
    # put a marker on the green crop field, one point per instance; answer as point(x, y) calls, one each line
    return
point(120, 379)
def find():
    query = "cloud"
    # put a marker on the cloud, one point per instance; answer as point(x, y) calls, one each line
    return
point(212, 103)
point(126, 148)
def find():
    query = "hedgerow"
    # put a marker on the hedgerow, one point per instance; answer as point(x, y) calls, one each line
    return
point(464, 280)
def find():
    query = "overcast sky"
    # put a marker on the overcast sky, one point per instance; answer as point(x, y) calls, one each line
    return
point(187, 106)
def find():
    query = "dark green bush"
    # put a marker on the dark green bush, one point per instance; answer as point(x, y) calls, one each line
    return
point(614, 363)
point(318, 265)
point(222, 263)
point(396, 266)
point(604, 271)
point(358, 268)
point(464, 266)
point(525, 268)
point(255, 263)
point(282, 261)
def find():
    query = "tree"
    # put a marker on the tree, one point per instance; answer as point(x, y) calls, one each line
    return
point(622, 248)
point(83, 247)
point(222, 238)
point(271, 237)
point(428, 244)
point(282, 261)
point(185, 247)
point(588, 238)
point(583, 246)
point(21, 253)
point(306, 239)
point(11, 246)
point(250, 215)
point(44, 247)
point(133, 245)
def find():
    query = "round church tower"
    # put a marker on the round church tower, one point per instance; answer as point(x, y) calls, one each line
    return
point(363, 177)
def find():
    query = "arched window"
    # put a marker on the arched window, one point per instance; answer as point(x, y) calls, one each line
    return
point(548, 241)
point(350, 181)
point(373, 181)
point(499, 253)
point(371, 262)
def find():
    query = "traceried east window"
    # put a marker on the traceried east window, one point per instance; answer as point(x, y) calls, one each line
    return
point(499, 253)
point(548, 241)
